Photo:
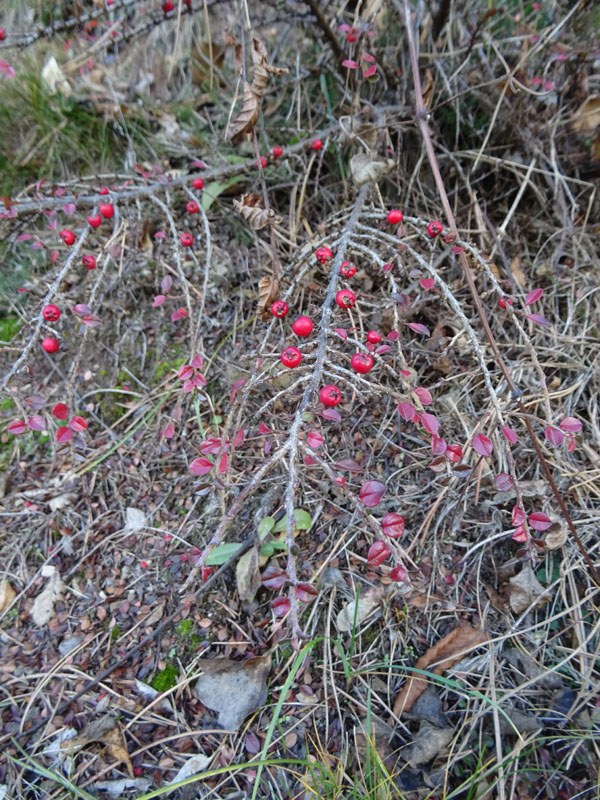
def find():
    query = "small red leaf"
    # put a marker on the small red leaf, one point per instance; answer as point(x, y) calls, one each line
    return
point(169, 431)
point(17, 426)
point(554, 435)
point(280, 606)
point(223, 463)
point(342, 333)
point(315, 440)
point(238, 439)
point(234, 389)
point(393, 525)
point(308, 461)
point(63, 434)
point(166, 284)
point(348, 465)
point(252, 743)
point(393, 336)
point(197, 362)
point(430, 423)
point(383, 348)
point(424, 395)
point(510, 435)
point(306, 593)
point(427, 283)
point(533, 295)
point(199, 380)
point(371, 493)
point(273, 577)
point(407, 411)
point(78, 424)
point(185, 373)
point(378, 552)
point(37, 423)
point(398, 573)
point(517, 516)
point(210, 445)
point(438, 445)
point(332, 414)
point(538, 319)
point(349, 64)
point(520, 534)
point(262, 428)
point(159, 299)
point(200, 466)
point(81, 309)
point(91, 320)
point(539, 521)
point(454, 453)
point(60, 411)
point(570, 425)
point(503, 482)
point(418, 328)
point(482, 445)
point(462, 470)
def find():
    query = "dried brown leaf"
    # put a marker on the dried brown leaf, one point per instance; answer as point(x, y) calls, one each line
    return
point(106, 731)
point(555, 536)
point(43, 605)
point(444, 654)
point(250, 208)
point(587, 117)
point(245, 121)
point(247, 575)
point(7, 595)
point(366, 168)
point(518, 274)
point(268, 289)
point(428, 89)
point(526, 591)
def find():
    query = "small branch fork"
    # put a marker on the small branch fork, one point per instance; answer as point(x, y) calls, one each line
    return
point(421, 120)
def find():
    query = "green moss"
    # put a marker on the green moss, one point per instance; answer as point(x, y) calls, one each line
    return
point(165, 679)
point(115, 632)
point(9, 327)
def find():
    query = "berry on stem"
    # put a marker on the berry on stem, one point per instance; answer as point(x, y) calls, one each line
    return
point(50, 344)
point(168, 5)
point(279, 309)
point(103, 190)
point(316, 144)
point(89, 262)
point(187, 240)
point(345, 298)
point(95, 220)
point(51, 312)
point(277, 150)
point(503, 301)
point(263, 162)
point(330, 396)
point(395, 216)
point(198, 183)
point(107, 210)
point(374, 337)
point(303, 326)
point(434, 229)
point(361, 363)
point(67, 236)
point(347, 270)
point(2, 34)
point(192, 207)
point(291, 357)
point(323, 254)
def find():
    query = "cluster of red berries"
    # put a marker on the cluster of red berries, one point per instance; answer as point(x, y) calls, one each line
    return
point(395, 217)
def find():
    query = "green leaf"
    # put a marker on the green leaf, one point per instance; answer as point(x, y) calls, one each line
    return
point(265, 526)
point(212, 190)
point(270, 548)
point(222, 553)
point(302, 520)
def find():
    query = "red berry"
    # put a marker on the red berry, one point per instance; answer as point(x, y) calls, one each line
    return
point(107, 210)
point(95, 221)
point(67, 236)
point(398, 573)
point(323, 254)
point(51, 312)
point(168, 5)
point(362, 363)
point(316, 144)
point(330, 396)
point(374, 337)
point(198, 183)
point(347, 270)
point(103, 190)
point(434, 229)
point(303, 326)
point(263, 162)
point(504, 301)
point(345, 298)
point(279, 309)
point(192, 207)
point(2, 34)
point(50, 344)
point(291, 357)
point(89, 262)
point(352, 35)
point(187, 240)
point(395, 216)
point(277, 150)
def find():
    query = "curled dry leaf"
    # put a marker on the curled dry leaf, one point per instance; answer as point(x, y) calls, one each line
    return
point(233, 688)
point(104, 730)
point(444, 654)
point(245, 121)
point(250, 208)
point(7, 595)
point(247, 575)
point(366, 168)
point(556, 536)
point(526, 591)
point(368, 603)
point(587, 117)
point(268, 289)
point(429, 741)
point(43, 605)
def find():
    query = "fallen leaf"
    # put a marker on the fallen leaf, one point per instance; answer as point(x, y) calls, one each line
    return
point(526, 591)
point(120, 788)
point(106, 731)
point(268, 289)
point(555, 536)
point(444, 654)
point(54, 80)
point(247, 575)
point(427, 744)
point(62, 500)
point(135, 520)
point(154, 616)
point(517, 272)
point(43, 605)
point(587, 117)
point(427, 89)
point(368, 603)
point(250, 208)
point(233, 689)
point(7, 595)
point(192, 766)
point(366, 168)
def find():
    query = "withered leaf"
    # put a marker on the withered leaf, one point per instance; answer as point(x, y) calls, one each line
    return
point(587, 117)
point(268, 289)
point(42, 610)
point(7, 595)
point(106, 731)
point(444, 654)
point(526, 590)
point(252, 211)
point(366, 168)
